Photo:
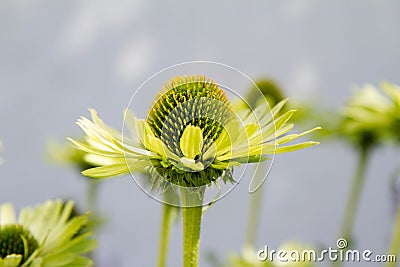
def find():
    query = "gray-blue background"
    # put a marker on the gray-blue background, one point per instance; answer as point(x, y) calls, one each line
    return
point(57, 58)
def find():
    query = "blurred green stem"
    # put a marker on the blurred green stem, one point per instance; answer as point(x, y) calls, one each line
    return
point(394, 247)
point(354, 197)
point(255, 208)
point(164, 237)
point(191, 215)
point(92, 195)
point(355, 193)
point(92, 200)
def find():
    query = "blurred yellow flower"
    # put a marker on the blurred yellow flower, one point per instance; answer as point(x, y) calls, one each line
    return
point(44, 236)
point(372, 115)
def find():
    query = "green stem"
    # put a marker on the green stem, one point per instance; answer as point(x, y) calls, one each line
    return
point(92, 195)
point(191, 214)
point(355, 194)
point(394, 247)
point(164, 237)
point(395, 242)
point(354, 197)
point(255, 209)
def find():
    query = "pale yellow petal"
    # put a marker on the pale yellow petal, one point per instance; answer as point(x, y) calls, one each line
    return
point(12, 260)
point(191, 141)
point(7, 214)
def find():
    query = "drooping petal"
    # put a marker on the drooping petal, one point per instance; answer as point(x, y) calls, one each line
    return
point(291, 148)
point(106, 148)
point(58, 233)
point(369, 96)
point(290, 137)
point(12, 260)
point(130, 122)
point(393, 91)
point(191, 141)
point(106, 171)
point(98, 160)
point(228, 135)
point(192, 164)
point(7, 214)
point(261, 136)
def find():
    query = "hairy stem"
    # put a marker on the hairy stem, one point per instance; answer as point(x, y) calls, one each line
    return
point(191, 214)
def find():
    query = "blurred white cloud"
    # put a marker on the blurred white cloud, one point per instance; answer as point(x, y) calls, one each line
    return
point(22, 4)
point(135, 58)
point(304, 81)
point(93, 18)
point(295, 9)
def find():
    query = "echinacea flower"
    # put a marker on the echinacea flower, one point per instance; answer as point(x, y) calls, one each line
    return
point(44, 236)
point(191, 136)
point(372, 116)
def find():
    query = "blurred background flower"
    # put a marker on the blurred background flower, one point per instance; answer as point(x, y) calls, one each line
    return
point(44, 236)
point(369, 120)
point(65, 154)
point(372, 115)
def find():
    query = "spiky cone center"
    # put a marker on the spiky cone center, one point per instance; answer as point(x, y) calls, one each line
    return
point(15, 239)
point(190, 101)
